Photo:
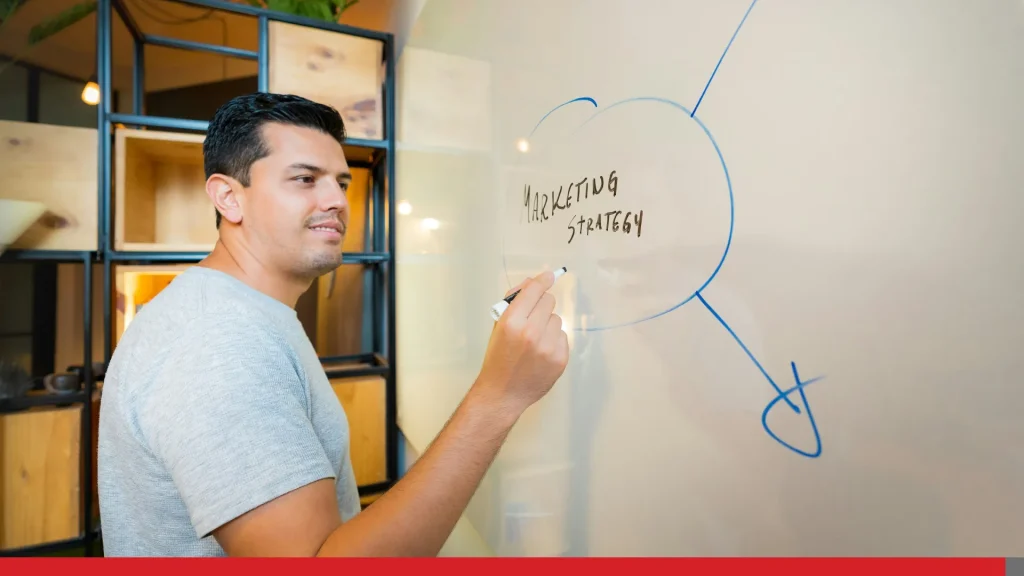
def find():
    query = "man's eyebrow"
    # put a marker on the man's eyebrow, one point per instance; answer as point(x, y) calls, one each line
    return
point(310, 167)
point(318, 170)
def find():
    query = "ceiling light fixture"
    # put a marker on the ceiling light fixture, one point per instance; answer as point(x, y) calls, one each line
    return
point(91, 92)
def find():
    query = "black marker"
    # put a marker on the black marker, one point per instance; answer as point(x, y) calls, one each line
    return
point(498, 309)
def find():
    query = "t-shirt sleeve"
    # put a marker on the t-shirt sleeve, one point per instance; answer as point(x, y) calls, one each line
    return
point(228, 416)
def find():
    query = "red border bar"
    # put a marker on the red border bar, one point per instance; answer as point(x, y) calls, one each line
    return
point(510, 566)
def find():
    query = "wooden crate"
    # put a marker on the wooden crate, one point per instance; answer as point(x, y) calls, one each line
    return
point(332, 68)
point(57, 166)
point(160, 201)
point(40, 494)
point(363, 399)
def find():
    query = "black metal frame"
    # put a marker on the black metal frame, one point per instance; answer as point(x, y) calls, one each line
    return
point(379, 261)
point(84, 397)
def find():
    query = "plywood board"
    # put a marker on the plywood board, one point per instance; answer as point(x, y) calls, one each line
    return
point(55, 165)
point(336, 69)
point(39, 476)
point(364, 402)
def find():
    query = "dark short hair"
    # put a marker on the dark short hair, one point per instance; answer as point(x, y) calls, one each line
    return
point(234, 140)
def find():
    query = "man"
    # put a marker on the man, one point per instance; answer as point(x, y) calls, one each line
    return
point(219, 432)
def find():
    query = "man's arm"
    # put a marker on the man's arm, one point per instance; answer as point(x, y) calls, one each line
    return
point(527, 352)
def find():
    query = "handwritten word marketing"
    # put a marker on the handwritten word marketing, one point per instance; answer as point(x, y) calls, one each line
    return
point(542, 206)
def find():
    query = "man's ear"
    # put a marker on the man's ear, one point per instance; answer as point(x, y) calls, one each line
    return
point(225, 193)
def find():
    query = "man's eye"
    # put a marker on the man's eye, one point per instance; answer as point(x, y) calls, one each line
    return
point(305, 179)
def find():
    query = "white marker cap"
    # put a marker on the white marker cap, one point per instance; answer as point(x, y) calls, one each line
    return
point(498, 309)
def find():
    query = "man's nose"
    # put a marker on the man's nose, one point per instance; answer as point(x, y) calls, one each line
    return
point(333, 198)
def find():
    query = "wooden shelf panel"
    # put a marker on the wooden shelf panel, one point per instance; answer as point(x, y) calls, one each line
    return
point(57, 166)
point(340, 70)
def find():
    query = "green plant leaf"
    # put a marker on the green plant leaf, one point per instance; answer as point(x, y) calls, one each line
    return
point(327, 10)
point(288, 6)
point(321, 10)
point(8, 8)
point(341, 5)
point(66, 18)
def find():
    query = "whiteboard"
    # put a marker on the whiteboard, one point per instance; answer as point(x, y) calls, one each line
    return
point(794, 299)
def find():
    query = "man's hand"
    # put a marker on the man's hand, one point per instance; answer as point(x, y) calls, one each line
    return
point(527, 352)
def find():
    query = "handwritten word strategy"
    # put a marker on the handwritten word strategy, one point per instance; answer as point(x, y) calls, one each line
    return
point(542, 206)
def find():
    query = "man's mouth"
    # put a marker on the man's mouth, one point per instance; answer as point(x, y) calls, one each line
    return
point(333, 229)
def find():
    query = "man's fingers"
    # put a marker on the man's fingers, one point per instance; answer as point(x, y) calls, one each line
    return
point(542, 311)
point(557, 338)
point(554, 325)
point(530, 294)
point(514, 288)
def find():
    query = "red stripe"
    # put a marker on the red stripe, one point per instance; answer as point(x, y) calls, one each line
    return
point(507, 566)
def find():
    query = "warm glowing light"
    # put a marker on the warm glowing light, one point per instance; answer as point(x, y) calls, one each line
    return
point(404, 208)
point(430, 224)
point(523, 145)
point(91, 94)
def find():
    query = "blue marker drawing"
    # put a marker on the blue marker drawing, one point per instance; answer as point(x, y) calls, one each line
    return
point(781, 395)
point(544, 117)
point(722, 57)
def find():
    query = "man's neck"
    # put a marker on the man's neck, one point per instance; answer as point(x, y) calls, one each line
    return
point(238, 261)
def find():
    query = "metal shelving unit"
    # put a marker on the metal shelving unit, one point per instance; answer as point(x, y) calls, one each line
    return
point(87, 531)
point(380, 303)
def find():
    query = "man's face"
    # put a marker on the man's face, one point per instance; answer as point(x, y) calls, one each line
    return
point(295, 210)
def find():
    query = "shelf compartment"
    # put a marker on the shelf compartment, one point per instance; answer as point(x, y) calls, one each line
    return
point(56, 166)
point(335, 311)
point(363, 400)
point(69, 346)
point(160, 202)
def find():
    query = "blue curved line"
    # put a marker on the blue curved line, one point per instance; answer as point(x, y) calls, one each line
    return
point(732, 212)
point(749, 353)
point(544, 117)
point(810, 416)
point(722, 57)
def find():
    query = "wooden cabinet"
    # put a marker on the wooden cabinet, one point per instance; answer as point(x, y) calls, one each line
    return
point(39, 476)
point(364, 402)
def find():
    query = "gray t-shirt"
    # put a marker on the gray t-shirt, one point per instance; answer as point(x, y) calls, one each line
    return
point(214, 403)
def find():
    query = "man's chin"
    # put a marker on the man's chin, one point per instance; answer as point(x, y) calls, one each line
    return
point(322, 264)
